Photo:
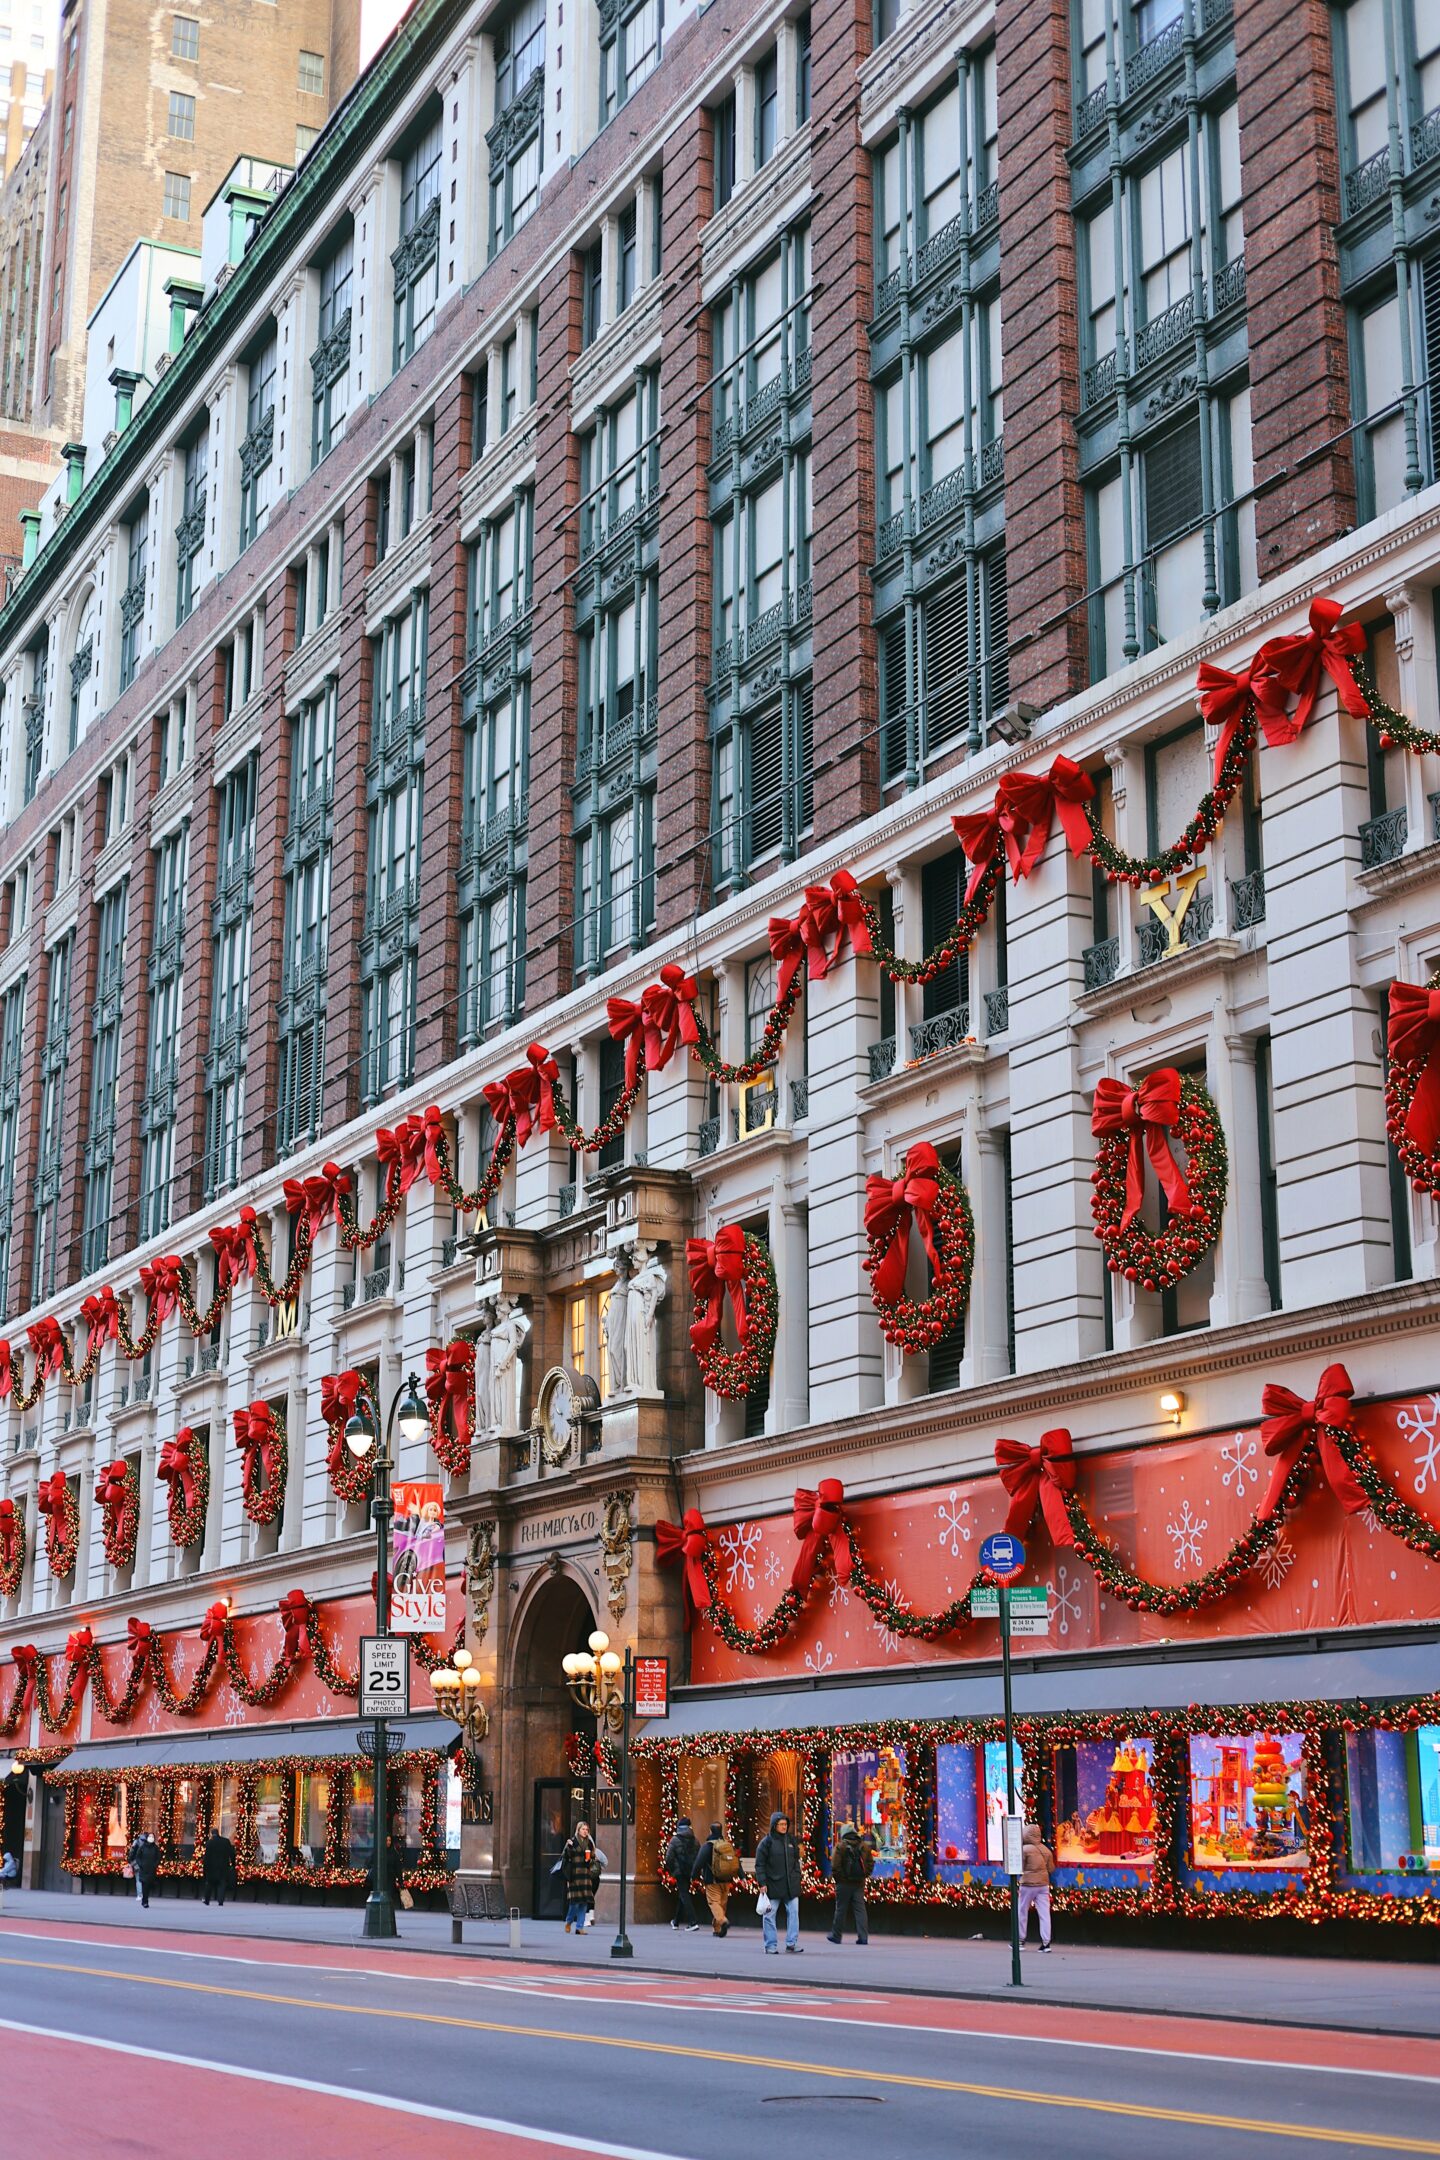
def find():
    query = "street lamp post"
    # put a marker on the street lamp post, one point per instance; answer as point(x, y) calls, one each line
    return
point(602, 1683)
point(360, 1438)
point(457, 1696)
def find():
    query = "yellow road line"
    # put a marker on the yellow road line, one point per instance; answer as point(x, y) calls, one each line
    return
point(1361, 2140)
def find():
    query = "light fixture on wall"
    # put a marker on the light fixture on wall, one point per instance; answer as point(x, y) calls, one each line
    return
point(1172, 1403)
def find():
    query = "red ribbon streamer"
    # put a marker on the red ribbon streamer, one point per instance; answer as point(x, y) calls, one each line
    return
point(113, 1487)
point(7, 1370)
point(449, 1380)
point(101, 1314)
point(669, 1009)
point(78, 1645)
point(717, 1268)
point(1288, 1427)
point(255, 1434)
point(339, 1395)
point(27, 1660)
point(403, 1151)
point(820, 1528)
point(788, 949)
point(160, 1282)
point(527, 1095)
point(626, 1022)
point(9, 1529)
point(236, 1258)
point(1040, 1477)
point(176, 1466)
point(890, 1206)
point(1297, 664)
point(1148, 1114)
point(316, 1199)
point(686, 1549)
point(1413, 1039)
point(48, 1344)
point(212, 1627)
point(50, 1498)
point(294, 1610)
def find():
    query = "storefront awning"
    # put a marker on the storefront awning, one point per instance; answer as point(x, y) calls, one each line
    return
point(251, 1743)
point(1325, 1668)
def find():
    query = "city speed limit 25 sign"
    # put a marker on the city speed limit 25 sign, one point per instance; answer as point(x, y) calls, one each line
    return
point(384, 1676)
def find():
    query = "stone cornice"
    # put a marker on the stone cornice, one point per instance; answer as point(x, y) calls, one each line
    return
point(761, 208)
point(916, 55)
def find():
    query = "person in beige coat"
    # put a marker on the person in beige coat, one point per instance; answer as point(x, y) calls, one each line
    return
point(1036, 1864)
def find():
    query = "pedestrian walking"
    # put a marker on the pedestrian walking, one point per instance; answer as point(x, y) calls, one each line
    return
point(680, 1856)
point(777, 1873)
point(145, 1860)
point(1036, 1863)
point(716, 1866)
point(850, 1864)
point(582, 1878)
point(217, 1873)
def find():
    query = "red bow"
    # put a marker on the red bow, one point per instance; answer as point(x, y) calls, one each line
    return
point(316, 1199)
point(1224, 697)
point(626, 1022)
point(78, 1645)
point(212, 1627)
point(7, 1370)
point(788, 946)
point(526, 1095)
point(339, 1394)
point(890, 1203)
point(48, 1344)
point(1149, 1114)
point(1296, 665)
point(669, 1009)
point(449, 1383)
point(294, 1610)
point(1028, 803)
point(175, 1465)
point(50, 1498)
point(837, 911)
point(235, 1254)
point(1414, 1037)
point(403, 1150)
point(717, 1265)
point(160, 1282)
point(1042, 1476)
point(1289, 1426)
point(27, 1659)
point(686, 1547)
point(139, 1633)
point(9, 1528)
point(820, 1528)
point(255, 1429)
point(980, 833)
point(101, 1314)
point(432, 1133)
point(114, 1485)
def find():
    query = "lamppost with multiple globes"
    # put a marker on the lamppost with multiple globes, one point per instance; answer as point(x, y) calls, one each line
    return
point(361, 1438)
point(457, 1696)
point(601, 1681)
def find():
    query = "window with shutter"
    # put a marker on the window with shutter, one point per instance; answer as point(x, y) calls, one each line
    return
point(1173, 498)
point(612, 1087)
point(942, 894)
point(764, 784)
point(946, 650)
point(1430, 305)
point(892, 700)
point(805, 757)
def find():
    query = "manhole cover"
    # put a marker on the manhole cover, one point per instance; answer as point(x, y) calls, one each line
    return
point(822, 2100)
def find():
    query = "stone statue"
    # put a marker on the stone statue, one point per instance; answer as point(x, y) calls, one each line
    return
point(482, 1368)
point(509, 1332)
point(645, 1292)
point(617, 1307)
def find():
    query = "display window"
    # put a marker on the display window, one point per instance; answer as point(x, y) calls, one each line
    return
point(269, 1818)
point(91, 1813)
point(454, 1812)
point(775, 1791)
point(312, 1816)
point(185, 1802)
point(1393, 1793)
point(1248, 1804)
point(117, 1822)
point(867, 1788)
point(227, 1806)
point(702, 1790)
point(996, 1796)
point(362, 1816)
point(957, 1815)
point(1105, 1812)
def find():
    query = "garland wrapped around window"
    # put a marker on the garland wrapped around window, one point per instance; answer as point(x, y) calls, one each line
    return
point(1131, 1123)
point(935, 1201)
point(260, 1435)
point(737, 1267)
point(341, 1395)
point(117, 1494)
point(57, 1503)
point(450, 1392)
point(184, 1470)
point(12, 1547)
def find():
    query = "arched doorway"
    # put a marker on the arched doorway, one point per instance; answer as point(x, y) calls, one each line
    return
point(545, 1799)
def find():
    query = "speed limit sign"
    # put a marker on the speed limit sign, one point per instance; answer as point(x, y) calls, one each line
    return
point(384, 1676)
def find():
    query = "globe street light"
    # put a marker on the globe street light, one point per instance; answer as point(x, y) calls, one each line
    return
point(602, 1682)
point(360, 1439)
point(457, 1696)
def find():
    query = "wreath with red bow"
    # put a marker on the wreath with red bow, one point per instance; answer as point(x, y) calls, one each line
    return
point(260, 1434)
point(57, 1503)
point(340, 1396)
point(1131, 1123)
point(12, 1547)
point(736, 1265)
point(118, 1493)
point(938, 1205)
point(184, 1467)
point(1412, 1082)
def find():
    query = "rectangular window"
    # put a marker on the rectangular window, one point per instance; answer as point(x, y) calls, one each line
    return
point(175, 201)
point(229, 978)
point(517, 140)
point(162, 1053)
point(722, 122)
point(33, 709)
point(132, 599)
point(257, 449)
point(312, 74)
point(626, 265)
point(107, 1011)
point(592, 294)
point(629, 52)
point(767, 107)
point(182, 116)
point(190, 532)
point(307, 905)
point(12, 1056)
point(51, 1155)
point(802, 70)
point(184, 37)
point(416, 261)
point(395, 787)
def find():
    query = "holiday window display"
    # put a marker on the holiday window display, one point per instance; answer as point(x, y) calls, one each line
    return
point(867, 1788)
point(957, 1832)
point(1247, 1801)
point(1392, 1782)
point(1104, 1803)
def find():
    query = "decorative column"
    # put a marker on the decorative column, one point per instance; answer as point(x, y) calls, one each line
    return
point(845, 1340)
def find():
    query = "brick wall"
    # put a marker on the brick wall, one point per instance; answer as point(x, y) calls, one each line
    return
point(135, 1030)
point(267, 906)
point(349, 847)
point(439, 975)
point(188, 1182)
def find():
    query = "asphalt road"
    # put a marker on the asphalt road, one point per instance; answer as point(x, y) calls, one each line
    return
point(139, 2050)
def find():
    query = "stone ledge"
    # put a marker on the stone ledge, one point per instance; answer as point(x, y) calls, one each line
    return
point(1139, 984)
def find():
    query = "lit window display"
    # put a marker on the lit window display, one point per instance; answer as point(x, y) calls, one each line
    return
point(957, 1827)
point(996, 1798)
point(702, 1790)
point(269, 1818)
point(227, 1802)
point(454, 1809)
point(1393, 1780)
point(117, 1822)
point(867, 1788)
point(362, 1816)
point(776, 1791)
point(1105, 1804)
point(312, 1811)
point(186, 1800)
point(1248, 1805)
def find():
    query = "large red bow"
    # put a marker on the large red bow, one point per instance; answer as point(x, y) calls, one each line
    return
point(717, 1265)
point(1296, 665)
point(138, 1633)
point(788, 948)
point(339, 1394)
point(27, 1660)
point(48, 1343)
point(1027, 804)
point(890, 1204)
point(686, 1547)
point(7, 1370)
point(114, 1485)
point(449, 1382)
point(255, 1432)
point(669, 1009)
point(78, 1645)
point(626, 1022)
point(403, 1151)
point(176, 1465)
point(294, 1610)
point(432, 1134)
point(101, 1314)
point(1289, 1426)
point(50, 1498)
point(161, 1282)
point(1224, 699)
point(829, 915)
point(526, 1095)
point(9, 1528)
point(316, 1199)
point(1414, 1038)
point(1148, 1114)
point(1038, 1476)
point(212, 1627)
point(235, 1256)
point(820, 1527)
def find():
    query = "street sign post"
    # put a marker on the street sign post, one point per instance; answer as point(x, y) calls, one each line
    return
point(1001, 1553)
point(1012, 1859)
point(384, 1676)
point(652, 1687)
point(1029, 1607)
point(1004, 1555)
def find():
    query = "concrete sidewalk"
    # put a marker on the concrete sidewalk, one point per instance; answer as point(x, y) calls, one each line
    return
point(1360, 1995)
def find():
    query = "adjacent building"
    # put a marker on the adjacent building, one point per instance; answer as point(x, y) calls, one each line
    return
point(638, 469)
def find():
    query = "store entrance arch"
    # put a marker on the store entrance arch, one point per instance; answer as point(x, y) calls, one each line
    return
point(548, 1799)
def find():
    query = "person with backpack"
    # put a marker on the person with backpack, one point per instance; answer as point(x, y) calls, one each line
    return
point(680, 1856)
point(850, 1863)
point(777, 1880)
point(716, 1865)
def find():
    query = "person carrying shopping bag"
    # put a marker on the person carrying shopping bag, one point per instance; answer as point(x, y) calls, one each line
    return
point(777, 1873)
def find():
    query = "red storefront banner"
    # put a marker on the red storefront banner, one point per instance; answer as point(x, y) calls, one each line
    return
point(1170, 1509)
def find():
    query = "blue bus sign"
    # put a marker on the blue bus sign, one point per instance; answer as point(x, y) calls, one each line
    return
point(1001, 1553)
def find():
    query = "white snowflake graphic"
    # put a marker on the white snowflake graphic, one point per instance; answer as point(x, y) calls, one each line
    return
point(1420, 1424)
point(1240, 1454)
point(1276, 1562)
point(233, 1707)
point(774, 1565)
point(738, 1548)
point(822, 1660)
point(152, 1715)
point(1066, 1595)
point(889, 1637)
point(837, 1594)
point(951, 1515)
point(1370, 1521)
point(1185, 1532)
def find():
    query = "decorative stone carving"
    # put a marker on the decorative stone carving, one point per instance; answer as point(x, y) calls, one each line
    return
point(646, 1293)
point(480, 1579)
point(617, 1548)
point(617, 1307)
point(512, 1325)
